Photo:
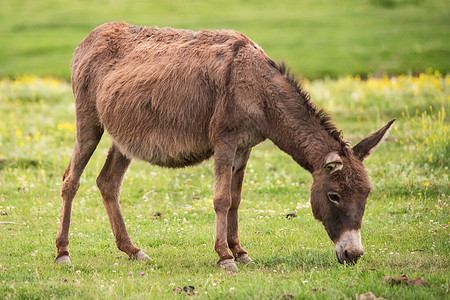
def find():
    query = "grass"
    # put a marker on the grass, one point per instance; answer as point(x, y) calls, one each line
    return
point(317, 38)
point(405, 227)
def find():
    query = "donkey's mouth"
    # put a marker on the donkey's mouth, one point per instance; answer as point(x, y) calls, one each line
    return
point(349, 261)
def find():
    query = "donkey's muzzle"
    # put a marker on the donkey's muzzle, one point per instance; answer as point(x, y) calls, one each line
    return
point(349, 248)
point(349, 257)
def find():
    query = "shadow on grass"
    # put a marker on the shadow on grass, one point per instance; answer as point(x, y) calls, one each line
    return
point(304, 259)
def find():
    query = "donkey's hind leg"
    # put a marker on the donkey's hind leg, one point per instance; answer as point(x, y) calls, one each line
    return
point(109, 182)
point(239, 253)
point(87, 138)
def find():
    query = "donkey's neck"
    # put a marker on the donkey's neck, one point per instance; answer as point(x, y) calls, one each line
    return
point(302, 131)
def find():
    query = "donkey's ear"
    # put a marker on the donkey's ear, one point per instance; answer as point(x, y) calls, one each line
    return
point(364, 148)
point(333, 162)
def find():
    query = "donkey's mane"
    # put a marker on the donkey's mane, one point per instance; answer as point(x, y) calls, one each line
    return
point(324, 118)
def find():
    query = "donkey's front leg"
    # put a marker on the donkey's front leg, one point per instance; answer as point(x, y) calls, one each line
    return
point(240, 162)
point(109, 182)
point(224, 155)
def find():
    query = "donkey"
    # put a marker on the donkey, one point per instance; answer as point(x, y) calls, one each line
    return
point(175, 98)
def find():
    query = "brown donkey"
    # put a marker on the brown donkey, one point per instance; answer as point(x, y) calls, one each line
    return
point(176, 97)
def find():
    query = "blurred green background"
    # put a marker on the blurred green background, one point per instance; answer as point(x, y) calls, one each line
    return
point(317, 38)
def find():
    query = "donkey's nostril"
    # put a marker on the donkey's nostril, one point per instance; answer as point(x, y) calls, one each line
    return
point(346, 253)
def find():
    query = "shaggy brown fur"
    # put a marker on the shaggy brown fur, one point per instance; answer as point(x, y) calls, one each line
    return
point(175, 98)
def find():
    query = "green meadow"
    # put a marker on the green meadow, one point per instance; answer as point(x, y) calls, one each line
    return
point(405, 227)
point(366, 62)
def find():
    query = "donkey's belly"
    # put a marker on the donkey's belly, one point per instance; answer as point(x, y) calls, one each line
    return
point(164, 159)
point(172, 149)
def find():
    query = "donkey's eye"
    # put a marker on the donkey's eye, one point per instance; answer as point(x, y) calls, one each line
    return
point(333, 197)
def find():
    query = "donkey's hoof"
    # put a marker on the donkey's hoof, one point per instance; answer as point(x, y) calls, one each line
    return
point(65, 259)
point(227, 264)
point(140, 256)
point(244, 258)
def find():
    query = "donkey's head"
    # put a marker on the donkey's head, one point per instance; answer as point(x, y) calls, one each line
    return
point(339, 193)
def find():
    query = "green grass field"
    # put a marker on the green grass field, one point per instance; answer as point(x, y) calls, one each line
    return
point(316, 37)
point(405, 227)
